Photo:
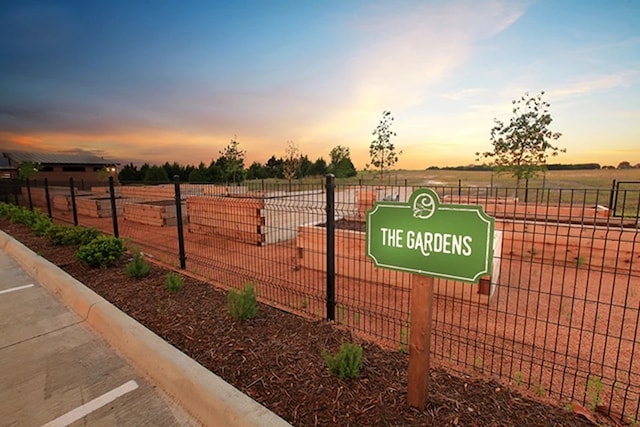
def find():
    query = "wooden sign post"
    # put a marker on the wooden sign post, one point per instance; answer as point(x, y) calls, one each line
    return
point(430, 239)
point(420, 341)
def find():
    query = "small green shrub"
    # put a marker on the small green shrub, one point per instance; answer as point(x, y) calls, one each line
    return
point(103, 251)
point(19, 215)
point(41, 224)
point(138, 267)
point(5, 210)
point(347, 362)
point(174, 282)
point(243, 304)
point(63, 235)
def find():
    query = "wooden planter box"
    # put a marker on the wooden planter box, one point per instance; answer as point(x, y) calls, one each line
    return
point(351, 261)
point(240, 219)
point(98, 207)
point(160, 213)
point(61, 202)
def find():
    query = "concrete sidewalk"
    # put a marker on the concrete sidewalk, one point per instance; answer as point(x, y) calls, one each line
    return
point(54, 369)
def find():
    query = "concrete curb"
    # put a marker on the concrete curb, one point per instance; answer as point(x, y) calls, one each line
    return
point(203, 394)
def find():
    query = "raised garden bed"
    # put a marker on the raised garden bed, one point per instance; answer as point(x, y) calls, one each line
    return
point(240, 219)
point(159, 213)
point(98, 206)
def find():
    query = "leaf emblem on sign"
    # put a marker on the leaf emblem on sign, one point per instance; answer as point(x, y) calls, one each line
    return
point(423, 206)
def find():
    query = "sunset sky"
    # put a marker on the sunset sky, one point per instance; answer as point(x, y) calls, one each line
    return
point(155, 81)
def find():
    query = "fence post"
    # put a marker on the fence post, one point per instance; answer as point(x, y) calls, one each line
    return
point(73, 201)
point(114, 213)
point(183, 258)
point(29, 194)
point(331, 264)
point(526, 190)
point(613, 189)
point(46, 196)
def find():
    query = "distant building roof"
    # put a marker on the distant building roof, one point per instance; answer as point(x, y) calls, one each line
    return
point(4, 163)
point(17, 157)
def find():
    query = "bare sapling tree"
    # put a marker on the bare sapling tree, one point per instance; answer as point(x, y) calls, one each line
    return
point(292, 161)
point(381, 150)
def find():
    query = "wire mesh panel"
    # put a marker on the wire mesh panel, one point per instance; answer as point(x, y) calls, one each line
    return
point(240, 236)
point(560, 313)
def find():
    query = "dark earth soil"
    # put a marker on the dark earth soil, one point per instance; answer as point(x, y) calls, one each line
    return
point(276, 358)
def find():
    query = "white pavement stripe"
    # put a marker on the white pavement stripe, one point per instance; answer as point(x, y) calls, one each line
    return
point(17, 288)
point(95, 404)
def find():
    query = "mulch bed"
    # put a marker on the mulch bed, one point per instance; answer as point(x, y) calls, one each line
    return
point(276, 357)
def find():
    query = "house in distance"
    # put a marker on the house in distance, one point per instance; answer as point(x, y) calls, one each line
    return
point(85, 169)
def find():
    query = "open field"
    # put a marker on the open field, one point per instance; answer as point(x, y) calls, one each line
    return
point(573, 179)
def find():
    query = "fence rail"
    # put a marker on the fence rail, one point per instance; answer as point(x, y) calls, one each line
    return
point(561, 314)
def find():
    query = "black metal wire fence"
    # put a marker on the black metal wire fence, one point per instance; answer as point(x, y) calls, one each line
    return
point(560, 314)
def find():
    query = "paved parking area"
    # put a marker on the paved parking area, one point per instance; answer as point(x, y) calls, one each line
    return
point(55, 372)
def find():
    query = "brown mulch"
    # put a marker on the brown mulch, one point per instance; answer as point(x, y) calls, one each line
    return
point(276, 357)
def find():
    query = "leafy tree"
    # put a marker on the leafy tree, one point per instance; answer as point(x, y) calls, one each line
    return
point(175, 169)
point(232, 163)
point(274, 167)
point(129, 173)
point(624, 165)
point(215, 170)
point(341, 165)
point(344, 168)
point(292, 161)
point(199, 174)
point(305, 166)
point(27, 170)
point(143, 171)
point(155, 174)
point(522, 146)
point(319, 167)
point(257, 171)
point(381, 150)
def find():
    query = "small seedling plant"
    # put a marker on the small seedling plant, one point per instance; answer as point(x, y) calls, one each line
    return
point(174, 282)
point(346, 363)
point(594, 391)
point(243, 305)
point(138, 267)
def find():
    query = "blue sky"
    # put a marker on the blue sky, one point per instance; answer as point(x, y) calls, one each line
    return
point(161, 81)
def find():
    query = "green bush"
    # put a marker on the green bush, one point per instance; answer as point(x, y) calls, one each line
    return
point(138, 267)
point(41, 223)
point(5, 209)
point(19, 215)
point(347, 362)
point(242, 305)
point(174, 282)
point(36, 220)
point(62, 235)
point(103, 251)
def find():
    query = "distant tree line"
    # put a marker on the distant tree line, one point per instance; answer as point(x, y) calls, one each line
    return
point(229, 167)
point(551, 167)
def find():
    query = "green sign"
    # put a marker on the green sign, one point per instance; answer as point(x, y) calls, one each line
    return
point(425, 237)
